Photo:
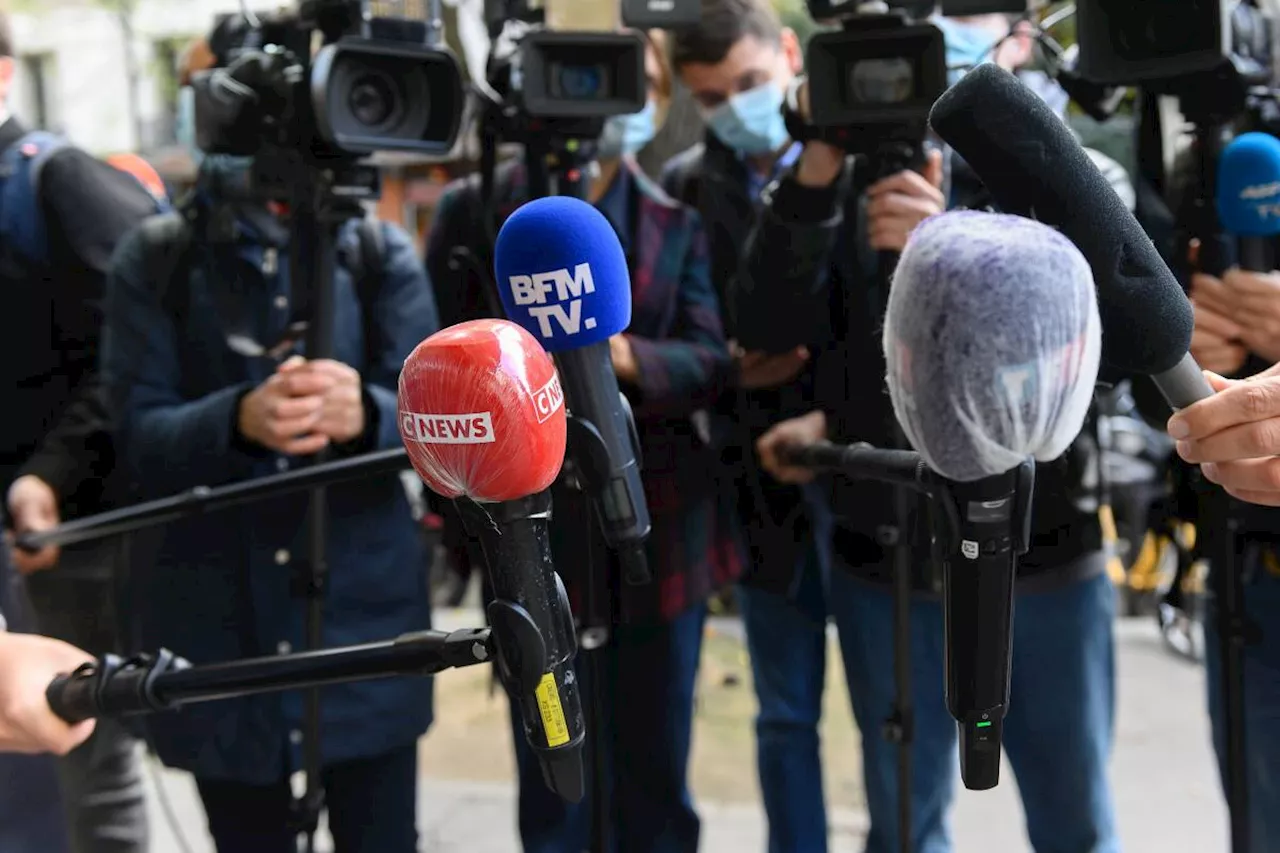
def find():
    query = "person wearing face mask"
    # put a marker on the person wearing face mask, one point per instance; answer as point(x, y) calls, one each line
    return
point(739, 63)
point(803, 280)
point(672, 363)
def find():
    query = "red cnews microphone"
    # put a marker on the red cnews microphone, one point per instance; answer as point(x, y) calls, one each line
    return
point(482, 417)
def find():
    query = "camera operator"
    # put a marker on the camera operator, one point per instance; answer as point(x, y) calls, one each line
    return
point(63, 212)
point(806, 262)
point(194, 408)
point(671, 362)
point(737, 64)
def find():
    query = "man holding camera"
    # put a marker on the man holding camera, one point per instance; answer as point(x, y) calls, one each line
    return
point(808, 280)
point(209, 387)
point(738, 64)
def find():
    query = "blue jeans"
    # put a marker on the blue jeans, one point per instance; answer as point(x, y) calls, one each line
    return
point(1261, 703)
point(649, 675)
point(372, 805)
point(1058, 733)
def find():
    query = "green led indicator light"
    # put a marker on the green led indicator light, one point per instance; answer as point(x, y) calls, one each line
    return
point(984, 725)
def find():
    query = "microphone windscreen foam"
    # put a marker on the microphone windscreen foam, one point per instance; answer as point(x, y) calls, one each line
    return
point(992, 342)
point(1032, 165)
point(482, 412)
point(1248, 193)
point(562, 274)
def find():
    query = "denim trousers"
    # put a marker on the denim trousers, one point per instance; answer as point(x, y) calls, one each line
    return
point(648, 680)
point(1058, 732)
point(1261, 700)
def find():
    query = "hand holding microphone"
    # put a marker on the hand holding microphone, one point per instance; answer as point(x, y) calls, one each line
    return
point(482, 418)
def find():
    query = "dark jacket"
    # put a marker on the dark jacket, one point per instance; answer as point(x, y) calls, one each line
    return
point(774, 517)
point(55, 424)
point(219, 587)
point(684, 365)
point(799, 283)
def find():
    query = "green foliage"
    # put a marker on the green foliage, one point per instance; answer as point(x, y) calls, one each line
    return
point(795, 14)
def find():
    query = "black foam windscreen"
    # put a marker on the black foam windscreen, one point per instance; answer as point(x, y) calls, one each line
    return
point(1033, 166)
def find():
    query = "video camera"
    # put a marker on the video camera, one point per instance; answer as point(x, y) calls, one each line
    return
point(377, 83)
point(1211, 54)
point(878, 76)
point(572, 66)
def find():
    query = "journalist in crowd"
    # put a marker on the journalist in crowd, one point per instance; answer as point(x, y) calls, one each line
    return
point(738, 64)
point(807, 280)
point(62, 212)
point(1235, 435)
point(194, 407)
point(672, 364)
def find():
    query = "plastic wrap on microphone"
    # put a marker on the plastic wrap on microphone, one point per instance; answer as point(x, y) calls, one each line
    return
point(482, 412)
point(992, 342)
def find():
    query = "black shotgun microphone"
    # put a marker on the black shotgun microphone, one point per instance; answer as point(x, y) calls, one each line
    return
point(1033, 166)
point(992, 344)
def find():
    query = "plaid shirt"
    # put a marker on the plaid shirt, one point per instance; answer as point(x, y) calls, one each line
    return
point(684, 366)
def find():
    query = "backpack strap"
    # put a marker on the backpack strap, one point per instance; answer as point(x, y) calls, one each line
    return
point(372, 241)
point(22, 225)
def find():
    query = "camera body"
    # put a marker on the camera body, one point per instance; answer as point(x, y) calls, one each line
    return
point(581, 75)
point(373, 85)
point(1209, 53)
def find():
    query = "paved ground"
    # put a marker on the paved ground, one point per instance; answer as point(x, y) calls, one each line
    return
point(1165, 782)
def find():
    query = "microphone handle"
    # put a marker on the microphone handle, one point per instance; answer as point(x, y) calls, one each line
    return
point(533, 632)
point(1257, 254)
point(592, 395)
point(992, 518)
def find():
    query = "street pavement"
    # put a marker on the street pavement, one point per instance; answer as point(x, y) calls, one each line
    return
point(1166, 786)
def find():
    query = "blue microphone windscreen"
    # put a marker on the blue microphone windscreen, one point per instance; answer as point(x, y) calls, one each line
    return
point(1249, 186)
point(562, 274)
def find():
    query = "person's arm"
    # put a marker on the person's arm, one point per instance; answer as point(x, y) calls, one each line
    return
point(169, 443)
point(689, 370)
point(27, 665)
point(779, 299)
point(88, 208)
point(406, 315)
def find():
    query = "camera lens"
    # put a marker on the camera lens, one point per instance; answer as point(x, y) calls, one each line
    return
point(581, 82)
point(882, 81)
point(372, 99)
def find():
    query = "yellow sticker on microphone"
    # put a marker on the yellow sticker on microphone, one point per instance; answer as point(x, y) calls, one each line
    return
point(553, 722)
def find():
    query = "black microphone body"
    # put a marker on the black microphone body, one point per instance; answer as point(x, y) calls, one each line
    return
point(533, 632)
point(991, 528)
point(591, 394)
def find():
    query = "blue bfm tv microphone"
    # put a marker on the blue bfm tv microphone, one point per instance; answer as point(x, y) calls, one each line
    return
point(1248, 197)
point(562, 274)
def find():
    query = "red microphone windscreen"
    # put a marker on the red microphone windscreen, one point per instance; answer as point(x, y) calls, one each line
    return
point(482, 413)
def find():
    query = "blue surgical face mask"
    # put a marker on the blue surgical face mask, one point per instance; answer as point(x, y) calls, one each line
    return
point(968, 45)
point(627, 134)
point(185, 124)
point(751, 122)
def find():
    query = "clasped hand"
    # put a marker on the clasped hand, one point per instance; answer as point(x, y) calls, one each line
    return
point(304, 407)
point(1235, 315)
